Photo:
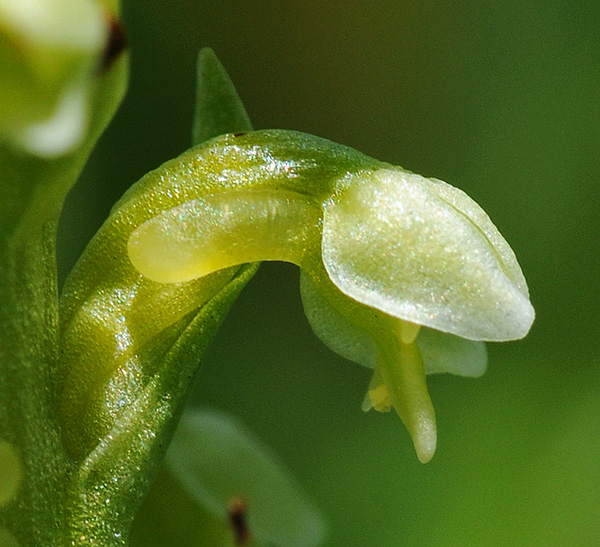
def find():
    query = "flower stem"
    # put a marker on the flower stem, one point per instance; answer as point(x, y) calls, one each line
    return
point(28, 352)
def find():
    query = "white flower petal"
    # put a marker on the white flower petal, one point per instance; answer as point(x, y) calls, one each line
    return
point(443, 352)
point(63, 130)
point(334, 329)
point(424, 252)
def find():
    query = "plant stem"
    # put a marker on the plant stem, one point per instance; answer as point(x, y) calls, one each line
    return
point(28, 353)
point(32, 191)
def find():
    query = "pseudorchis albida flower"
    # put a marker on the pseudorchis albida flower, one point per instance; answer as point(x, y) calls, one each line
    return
point(50, 53)
point(400, 273)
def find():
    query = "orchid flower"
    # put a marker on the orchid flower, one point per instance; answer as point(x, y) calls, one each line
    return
point(51, 53)
point(400, 273)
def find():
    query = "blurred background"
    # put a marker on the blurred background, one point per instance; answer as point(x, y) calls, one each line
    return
point(501, 99)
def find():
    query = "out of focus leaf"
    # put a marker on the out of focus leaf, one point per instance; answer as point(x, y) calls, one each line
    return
point(218, 461)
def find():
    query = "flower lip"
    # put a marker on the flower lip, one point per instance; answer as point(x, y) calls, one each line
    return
point(423, 251)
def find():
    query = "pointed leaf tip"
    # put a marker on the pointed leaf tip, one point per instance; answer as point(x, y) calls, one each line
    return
point(219, 109)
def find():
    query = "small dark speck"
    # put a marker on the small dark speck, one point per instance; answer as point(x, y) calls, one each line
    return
point(237, 508)
point(115, 45)
point(240, 133)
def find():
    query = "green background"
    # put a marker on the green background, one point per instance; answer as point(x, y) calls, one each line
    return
point(501, 99)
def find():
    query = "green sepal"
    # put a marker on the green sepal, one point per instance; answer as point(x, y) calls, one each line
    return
point(219, 109)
